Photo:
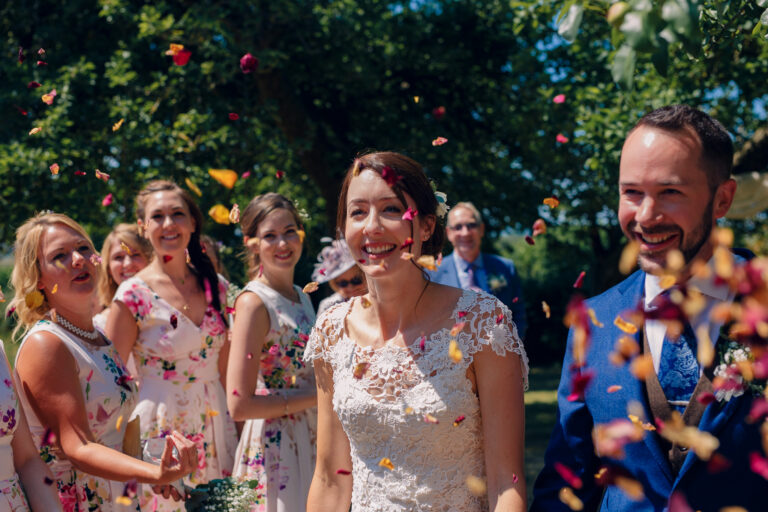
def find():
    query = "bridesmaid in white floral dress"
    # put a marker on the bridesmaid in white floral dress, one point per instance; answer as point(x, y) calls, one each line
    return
point(21, 468)
point(171, 318)
point(268, 384)
point(75, 387)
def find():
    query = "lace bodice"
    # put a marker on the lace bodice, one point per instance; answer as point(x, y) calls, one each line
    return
point(414, 406)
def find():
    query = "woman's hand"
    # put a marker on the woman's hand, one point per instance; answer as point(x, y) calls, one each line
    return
point(174, 466)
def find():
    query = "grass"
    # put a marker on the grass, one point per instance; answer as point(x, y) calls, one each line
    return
point(540, 413)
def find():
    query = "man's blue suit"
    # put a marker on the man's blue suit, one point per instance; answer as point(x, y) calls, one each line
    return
point(494, 266)
point(571, 441)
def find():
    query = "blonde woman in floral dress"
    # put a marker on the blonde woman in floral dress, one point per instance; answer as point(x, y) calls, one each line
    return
point(268, 384)
point(171, 317)
point(75, 389)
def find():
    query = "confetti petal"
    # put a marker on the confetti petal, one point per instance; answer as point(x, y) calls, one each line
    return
point(35, 130)
point(476, 485)
point(438, 112)
point(568, 475)
point(279, 174)
point(426, 261)
point(552, 202)
point(579, 280)
point(118, 124)
point(248, 63)
point(167, 258)
point(182, 57)
point(439, 141)
point(80, 173)
point(54, 169)
point(343, 472)
point(194, 188)
point(573, 502)
point(310, 287)
point(454, 352)
point(101, 175)
point(628, 258)
point(219, 213)
point(614, 388)
point(625, 326)
point(386, 463)
point(389, 175)
point(410, 214)
point(539, 227)
point(226, 177)
point(174, 321)
point(562, 139)
point(33, 299)
point(107, 200)
point(529, 240)
point(233, 116)
point(560, 98)
point(234, 214)
point(428, 418)
point(174, 49)
point(458, 420)
point(546, 309)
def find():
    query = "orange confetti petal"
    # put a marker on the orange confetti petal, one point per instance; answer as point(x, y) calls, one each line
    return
point(386, 463)
point(226, 177)
point(54, 168)
point(194, 188)
point(628, 258)
point(117, 125)
point(625, 326)
point(311, 287)
point(454, 352)
point(34, 299)
point(219, 213)
point(439, 141)
point(426, 261)
point(55, 288)
point(35, 130)
point(174, 49)
point(593, 317)
point(302, 235)
point(552, 202)
point(119, 422)
point(456, 329)
point(614, 388)
point(642, 366)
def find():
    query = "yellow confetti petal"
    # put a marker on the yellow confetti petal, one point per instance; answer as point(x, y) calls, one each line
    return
point(125, 248)
point(123, 500)
point(625, 326)
point(593, 317)
point(219, 213)
point(227, 177)
point(386, 463)
point(454, 352)
point(409, 410)
point(34, 299)
point(476, 485)
point(428, 418)
point(667, 281)
point(706, 351)
point(568, 497)
point(211, 413)
point(365, 302)
point(545, 308)
point(302, 235)
point(416, 99)
point(117, 125)
point(55, 288)
point(310, 287)
point(194, 188)
point(119, 422)
point(174, 49)
point(628, 258)
point(426, 261)
point(642, 366)
point(35, 130)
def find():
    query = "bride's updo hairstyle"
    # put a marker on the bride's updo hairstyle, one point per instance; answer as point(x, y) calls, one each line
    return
point(201, 263)
point(410, 180)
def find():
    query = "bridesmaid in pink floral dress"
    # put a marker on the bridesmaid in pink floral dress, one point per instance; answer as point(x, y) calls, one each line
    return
point(171, 317)
point(268, 384)
point(21, 468)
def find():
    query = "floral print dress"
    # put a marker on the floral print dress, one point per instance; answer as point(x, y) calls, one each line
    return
point(177, 365)
point(280, 452)
point(109, 397)
point(12, 497)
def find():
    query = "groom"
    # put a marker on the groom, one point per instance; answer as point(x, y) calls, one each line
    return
point(674, 183)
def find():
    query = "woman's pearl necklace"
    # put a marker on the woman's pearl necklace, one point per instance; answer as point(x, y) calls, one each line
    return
point(89, 335)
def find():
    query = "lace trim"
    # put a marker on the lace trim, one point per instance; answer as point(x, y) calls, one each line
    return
point(391, 368)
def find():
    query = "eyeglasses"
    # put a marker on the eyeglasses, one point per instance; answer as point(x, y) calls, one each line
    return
point(471, 226)
point(355, 281)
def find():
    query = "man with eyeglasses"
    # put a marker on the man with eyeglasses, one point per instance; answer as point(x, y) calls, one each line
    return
point(466, 267)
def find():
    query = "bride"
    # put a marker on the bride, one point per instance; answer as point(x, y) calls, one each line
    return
point(420, 386)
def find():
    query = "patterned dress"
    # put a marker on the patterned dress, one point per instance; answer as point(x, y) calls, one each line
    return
point(411, 416)
point(109, 399)
point(280, 452)
point(12, 497)
point(177, 365)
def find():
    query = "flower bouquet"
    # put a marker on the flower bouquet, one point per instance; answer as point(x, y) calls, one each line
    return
point(223, 495)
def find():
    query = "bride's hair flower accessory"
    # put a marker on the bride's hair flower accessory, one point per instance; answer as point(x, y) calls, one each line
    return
point(442, 201)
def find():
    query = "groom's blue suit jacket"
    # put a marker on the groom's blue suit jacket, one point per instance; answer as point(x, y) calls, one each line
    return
point(571, 442)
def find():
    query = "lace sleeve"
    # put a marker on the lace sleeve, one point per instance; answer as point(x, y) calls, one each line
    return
point(325, 332)
point(495, 327)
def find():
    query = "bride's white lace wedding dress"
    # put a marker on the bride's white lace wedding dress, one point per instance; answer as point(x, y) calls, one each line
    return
point(411, 416)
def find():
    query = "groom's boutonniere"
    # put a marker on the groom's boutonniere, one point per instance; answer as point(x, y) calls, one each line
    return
point(734, 372)
point(496, 282)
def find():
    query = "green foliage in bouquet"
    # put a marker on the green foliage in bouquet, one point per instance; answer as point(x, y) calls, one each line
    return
point(223, 495)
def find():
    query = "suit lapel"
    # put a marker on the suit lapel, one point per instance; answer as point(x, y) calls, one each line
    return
point(632, 295)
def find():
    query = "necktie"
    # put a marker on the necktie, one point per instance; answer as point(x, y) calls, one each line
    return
point(679, 368)
point(473, 285)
